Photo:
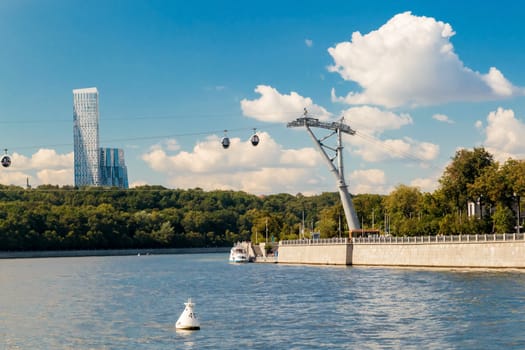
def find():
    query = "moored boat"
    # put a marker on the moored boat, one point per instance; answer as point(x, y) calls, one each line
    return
point(239, 254)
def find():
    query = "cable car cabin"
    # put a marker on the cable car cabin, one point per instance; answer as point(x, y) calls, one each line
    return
point(255, 140)
point(6, 161)
point(225, 142)
point(364, 232)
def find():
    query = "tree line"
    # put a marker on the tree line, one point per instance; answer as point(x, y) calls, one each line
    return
point(52, 217)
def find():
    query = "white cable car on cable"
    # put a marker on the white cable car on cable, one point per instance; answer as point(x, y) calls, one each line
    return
point(6, 160)
point(225, 142)
point(255, 138)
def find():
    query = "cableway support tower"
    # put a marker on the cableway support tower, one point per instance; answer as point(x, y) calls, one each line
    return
point(337, 128)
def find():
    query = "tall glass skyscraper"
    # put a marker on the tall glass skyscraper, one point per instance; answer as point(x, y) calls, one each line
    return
point(85, 133)
point(113, 171)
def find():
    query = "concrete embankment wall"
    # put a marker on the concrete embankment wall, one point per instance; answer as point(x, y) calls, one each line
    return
point(322, 252)
point(463, 252)
point(468, 255)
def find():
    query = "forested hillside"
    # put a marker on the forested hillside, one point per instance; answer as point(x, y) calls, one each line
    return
point(51, 217)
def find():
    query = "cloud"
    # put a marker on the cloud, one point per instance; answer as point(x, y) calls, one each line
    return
point(45, 166)
point(172, 145)
point(425, 184)
point(442, 118)
point(372, 120)
point(43, 159)
point(56, 177)
point(410, 60)
point(138, 183)
point(309, 42)
point(368, 181)
point(499, 85)
point(504, 135)
point(375, 150)
point(208, 156)
point(261, 181)
point(478, 124)
point(275, 107)
point(267, 168)
point(13, 177)
point(370, 123)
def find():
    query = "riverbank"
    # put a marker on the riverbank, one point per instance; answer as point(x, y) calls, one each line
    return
point(108, 252)
point(465, 251)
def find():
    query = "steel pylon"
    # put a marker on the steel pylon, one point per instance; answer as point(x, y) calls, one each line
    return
point(338, 128)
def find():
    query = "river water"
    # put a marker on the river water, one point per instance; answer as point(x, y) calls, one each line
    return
point(133, 302)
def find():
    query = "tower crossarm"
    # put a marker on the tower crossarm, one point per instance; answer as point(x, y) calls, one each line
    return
point(314, 122)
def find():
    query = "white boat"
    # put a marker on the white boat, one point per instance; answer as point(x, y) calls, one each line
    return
point(239, 254)
point(188, 319)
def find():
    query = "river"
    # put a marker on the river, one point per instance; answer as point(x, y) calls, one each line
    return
point(132, 302)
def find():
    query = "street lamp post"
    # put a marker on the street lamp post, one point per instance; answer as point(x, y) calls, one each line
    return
point(518, 209)
point(266, 230)
point(480, 215)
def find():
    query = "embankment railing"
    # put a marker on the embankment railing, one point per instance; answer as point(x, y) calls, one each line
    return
point(440, 239)
point(410, 239)
point(322, 241)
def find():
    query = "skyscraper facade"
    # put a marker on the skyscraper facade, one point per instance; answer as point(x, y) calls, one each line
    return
point(86, 139)
point(113, 171)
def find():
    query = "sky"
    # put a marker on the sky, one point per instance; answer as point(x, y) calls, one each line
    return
point(417, 80)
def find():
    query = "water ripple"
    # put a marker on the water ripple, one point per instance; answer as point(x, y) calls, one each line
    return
point(133, 303)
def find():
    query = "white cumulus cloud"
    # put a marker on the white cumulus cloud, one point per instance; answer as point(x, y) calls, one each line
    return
point(425, 184)
point(267, 168)
point(478, 124)
point(372, 120)
point(406, 148)
point(138, 183)
point(44, 167)
point(13, 177)
point(410, 60)
point(504, 135)
point(368, 181)
point(272, 106)
point(370, 123)
point(43, 159)
point(56, 177)
point(442, 118)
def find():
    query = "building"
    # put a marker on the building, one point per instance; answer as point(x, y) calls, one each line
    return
point(86, 139)
point(94, 166)
point(113, 171)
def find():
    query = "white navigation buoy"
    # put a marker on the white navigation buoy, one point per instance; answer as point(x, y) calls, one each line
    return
point(188, 319)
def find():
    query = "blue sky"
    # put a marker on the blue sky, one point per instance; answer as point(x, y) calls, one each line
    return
point(417, 80)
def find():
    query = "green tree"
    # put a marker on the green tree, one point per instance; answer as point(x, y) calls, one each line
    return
point(164, 235)
point(328, 222)
point(503, 219)
point(403, 206)
point(370, 210)
point(465, 168)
